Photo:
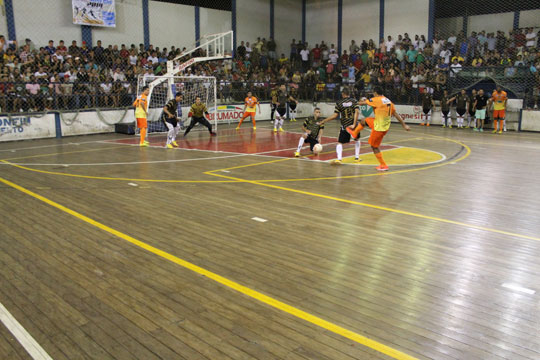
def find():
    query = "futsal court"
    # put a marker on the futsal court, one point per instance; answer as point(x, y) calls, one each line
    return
point(229, 247)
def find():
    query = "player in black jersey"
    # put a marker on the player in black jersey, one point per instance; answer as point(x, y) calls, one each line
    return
point(292, 104)
point(282, 97)
point(273, 103)
point(472, 112)
point(480, 107)
point(312, 132)
point(348, 109)
point(168, 117)
point(445, 110)
point(427, 105)
point(461, 101)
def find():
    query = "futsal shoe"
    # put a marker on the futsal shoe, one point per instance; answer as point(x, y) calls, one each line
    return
point(481, 129)
point(275, 129)
point(475, 129)
point(428, 124)
point(354, 132)
point(449, 126)
point(357, 160)
point(144, 144)
point(297, 154)
point(254, 128)
point(382, 168)
point(467, 127)
point(494, 131)
point(500, 132)
point(422, 124)
point(174, 143)
point(336, 162)
point(213, 134)
point(169, 146)
point(281, 129)
point(238, 128)
point(444, 126)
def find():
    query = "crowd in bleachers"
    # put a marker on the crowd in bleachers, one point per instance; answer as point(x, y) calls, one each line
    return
point(57, 76)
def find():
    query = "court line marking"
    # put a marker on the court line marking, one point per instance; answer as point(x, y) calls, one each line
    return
point(443, 157)
point(518, 288)
point(384, 208)
point(277, 304)
point(259, 219)
point(29, 344)
point(62, 153)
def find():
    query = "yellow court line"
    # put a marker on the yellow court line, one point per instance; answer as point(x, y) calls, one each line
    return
point(62, 153)
point(396, 354)
point(396, 211)
point(118, 179)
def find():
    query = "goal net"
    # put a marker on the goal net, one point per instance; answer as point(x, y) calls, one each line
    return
point(164, 88)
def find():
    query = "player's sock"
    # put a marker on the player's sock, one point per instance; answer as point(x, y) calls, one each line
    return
point(176, 130)
point(276, 123)
point(240, 122)
point(339, 150)
point(300, 143)
point(380, 158)
point(444, 120)
point(143, 135)
point(356, 149)
point(281, 123)
point(428, 118)
point(504, 124)
point(253, 121)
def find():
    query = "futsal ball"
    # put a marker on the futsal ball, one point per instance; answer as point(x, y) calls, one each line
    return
point(317, 148)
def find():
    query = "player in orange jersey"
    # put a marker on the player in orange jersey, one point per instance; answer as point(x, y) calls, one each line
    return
point(383, 110)
point(499, 100)
point(249, 109)
point(141, 113)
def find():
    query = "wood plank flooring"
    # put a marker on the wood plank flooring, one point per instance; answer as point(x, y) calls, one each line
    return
point(370, 253)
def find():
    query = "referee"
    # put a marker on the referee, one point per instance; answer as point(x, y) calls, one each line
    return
point(197, 112)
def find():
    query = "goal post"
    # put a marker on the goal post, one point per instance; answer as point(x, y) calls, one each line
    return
point(163, 88)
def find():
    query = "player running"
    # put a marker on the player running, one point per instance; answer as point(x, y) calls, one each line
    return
point(383, 109)
point(250, 104)
point(312, 132)
point(168, 117)
point(499, 99)
point(348, 109)
point(141, 113)
point(197, 112)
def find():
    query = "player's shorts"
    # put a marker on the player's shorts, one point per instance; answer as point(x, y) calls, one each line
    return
point(461, 112)
point(344, 137)
point(281, 111)
point(292, 106)
point(426, 110)
point(499, 114)
point(142, 123)
point(311, 141)
point(165, 119)
point(480, 114)
point(445, 112)
point(249, 113)
point(375, 138)
point(471, 112)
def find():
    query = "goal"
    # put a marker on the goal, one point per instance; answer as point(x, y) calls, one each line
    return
point(163, 88)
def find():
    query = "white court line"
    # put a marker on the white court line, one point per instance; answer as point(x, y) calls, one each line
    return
point(259, 219)
point(518, 288)
point(23, 337)
point(132, 184)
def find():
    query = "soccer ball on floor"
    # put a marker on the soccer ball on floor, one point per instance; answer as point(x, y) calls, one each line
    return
point(317, 148)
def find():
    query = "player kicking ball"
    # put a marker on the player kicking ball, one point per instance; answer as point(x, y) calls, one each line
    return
point(312, 132)
point(168, 117)
point(383, 110)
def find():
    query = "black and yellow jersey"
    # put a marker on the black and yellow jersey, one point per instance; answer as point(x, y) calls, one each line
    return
point(311, 124)
point(346, 109)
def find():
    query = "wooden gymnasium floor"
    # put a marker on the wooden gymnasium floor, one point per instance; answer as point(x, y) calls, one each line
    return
point(229, 248)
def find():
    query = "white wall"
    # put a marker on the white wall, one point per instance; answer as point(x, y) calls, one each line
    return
point(252, 20)
point(42, 21)
point(321, 22)
point(410, 16)
point(529, 18)
point(287, 24)
point(171, 24)
point(445, 26)
point(360, 21)
point(491, 22)
point(214, 21)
